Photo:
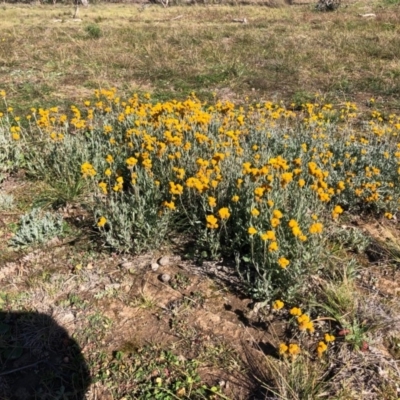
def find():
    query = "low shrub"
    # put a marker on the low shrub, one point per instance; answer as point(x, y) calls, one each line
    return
point(263, 184)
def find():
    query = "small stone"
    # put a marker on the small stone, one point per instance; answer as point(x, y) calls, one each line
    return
point(154, 266)
point(66, 318)
point(66, 360)
point(112, 286)
point(165, 278)
point(126, 265)
point(164, 261)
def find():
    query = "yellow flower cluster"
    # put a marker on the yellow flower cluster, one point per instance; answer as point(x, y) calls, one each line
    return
point(87, 169)
point(305, 324)
point(322, 346)
point(249, 172)
point(292, 349)
point(278, 304)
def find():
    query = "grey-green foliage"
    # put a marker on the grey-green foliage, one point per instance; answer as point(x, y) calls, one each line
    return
point(10, 151)
point(352, 239)
point(134, 221)
point(6, 201)
point(36, 227)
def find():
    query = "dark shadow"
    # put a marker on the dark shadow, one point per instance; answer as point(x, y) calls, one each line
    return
point(38, 359)
point(268, 349)
point(246, 322)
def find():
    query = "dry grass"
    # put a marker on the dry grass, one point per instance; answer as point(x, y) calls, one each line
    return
point(287, 53)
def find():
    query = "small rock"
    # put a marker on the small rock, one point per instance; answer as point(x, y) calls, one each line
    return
point(154, 266)
point(66, 318)
point(66, 360)
point(112, 286)
point(165, 278)
point(126, 265)
point(163, 261)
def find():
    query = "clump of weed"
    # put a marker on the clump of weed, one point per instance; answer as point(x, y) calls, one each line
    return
point(6, 201)
point(94, 31)
point(36, 227)
point(10, 154)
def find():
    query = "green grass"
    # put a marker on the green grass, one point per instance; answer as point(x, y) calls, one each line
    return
point(281, 52)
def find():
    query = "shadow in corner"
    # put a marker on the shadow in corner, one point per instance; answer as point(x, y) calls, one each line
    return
point(38, 360)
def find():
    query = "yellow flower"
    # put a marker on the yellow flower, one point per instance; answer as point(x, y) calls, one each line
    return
point(15, 136)
point(338, 210)
point(277, 214)
point(211, 222)
point(224, 213)
point(316, 228)
point(270, 203)
point(131, 161)
point(259, 191)
point(235, 199)
point(252, 230)
point(107, 172)
point(87, 169)
point(170, 205)
point(147, 163)
point(302, 182)
point(283, 348)
point(286, 178)
point(103, 187)
point(303, 318)
point(273, 247)
point(109, 158)
point(294, 349)
point(269, 235)
point(322, 347)
point(275, 222)
point(295, 311)
point(329, 338)
point(310, 326)
point(212, 201)
point(388, 215)
point(303, 238)
point(175, 188)
point(283, 262)
point(255, 212)
point(278, 304)
point(293, 223)
point(102, 221)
